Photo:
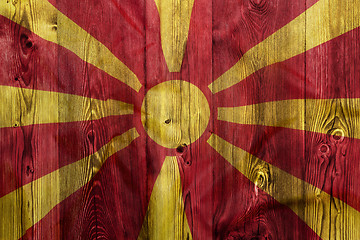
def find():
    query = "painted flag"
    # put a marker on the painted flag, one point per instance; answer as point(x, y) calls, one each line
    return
point(179, 119)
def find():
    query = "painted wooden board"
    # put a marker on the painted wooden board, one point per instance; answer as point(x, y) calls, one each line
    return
point(179, 119)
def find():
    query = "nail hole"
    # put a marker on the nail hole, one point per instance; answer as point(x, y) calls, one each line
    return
point(16, 79)
point(168, 121)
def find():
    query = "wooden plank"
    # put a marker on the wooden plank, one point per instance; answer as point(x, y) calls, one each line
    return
point(24, 69)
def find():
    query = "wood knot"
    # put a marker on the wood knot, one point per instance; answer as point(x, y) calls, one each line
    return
point(29, 170)
point(259, 5)
point(29, 44)
point(260, 179)
point(324, 150)
point(91, 136)
point(181, 148)
point(261, 176)
point(337, 135)
point(26, 44)
point(256, 2)
point(183, 155)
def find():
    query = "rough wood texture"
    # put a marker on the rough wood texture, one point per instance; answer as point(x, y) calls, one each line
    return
point(277, 160)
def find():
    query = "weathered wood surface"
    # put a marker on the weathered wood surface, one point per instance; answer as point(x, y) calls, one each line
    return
point(269, 169)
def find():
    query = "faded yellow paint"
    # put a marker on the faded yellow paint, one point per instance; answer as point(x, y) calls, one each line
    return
point(165, 218)
point(22, 107)
point(43, 19)
point(320, 211)
point(174, 113)
point(174, 27)
point(325, 20)
point(27, 205)
point(315, 115)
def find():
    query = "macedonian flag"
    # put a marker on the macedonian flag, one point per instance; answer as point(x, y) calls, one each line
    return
point(180, 119)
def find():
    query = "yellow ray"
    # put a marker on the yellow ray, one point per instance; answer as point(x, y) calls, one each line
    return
point(43, 19)
point(165, 217)
point(315, 115)
point(21, 107)
point(322, 22)
point(327, 216)
point(27, 205)
point(174, 27)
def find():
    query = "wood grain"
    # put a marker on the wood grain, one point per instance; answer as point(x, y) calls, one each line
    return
point(309, 203)
point(50, 24)
point(39, 197)
point(325, 20)
point(166, 218)
point(283, 87)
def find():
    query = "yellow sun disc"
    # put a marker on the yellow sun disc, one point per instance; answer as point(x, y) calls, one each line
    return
point(175, 113)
